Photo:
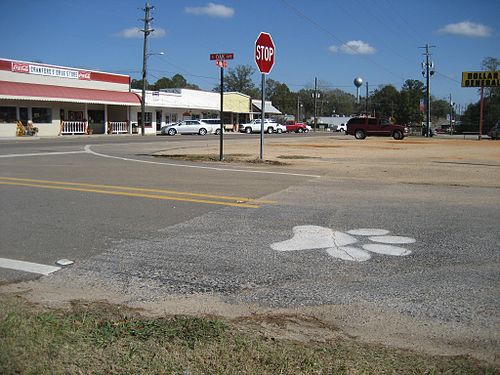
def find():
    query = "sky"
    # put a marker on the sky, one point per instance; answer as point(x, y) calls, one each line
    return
point(333, 40)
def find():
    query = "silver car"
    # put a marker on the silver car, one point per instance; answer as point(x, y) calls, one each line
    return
point(187, 127)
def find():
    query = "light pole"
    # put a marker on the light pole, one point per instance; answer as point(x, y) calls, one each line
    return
point(144, 73)
point(451, 115)
point(427, 72)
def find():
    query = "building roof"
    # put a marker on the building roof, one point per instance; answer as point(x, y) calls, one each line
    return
point(49, 93)
point(182, 98)
point(268, 107)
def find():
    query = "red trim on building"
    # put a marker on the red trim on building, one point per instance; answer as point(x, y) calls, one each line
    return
point(16, 90)
point(83, 74)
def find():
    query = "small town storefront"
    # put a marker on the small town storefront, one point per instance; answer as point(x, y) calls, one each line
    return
point(50, 100)
point(172, 105)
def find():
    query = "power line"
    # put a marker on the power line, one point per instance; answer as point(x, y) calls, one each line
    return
point(312, 21)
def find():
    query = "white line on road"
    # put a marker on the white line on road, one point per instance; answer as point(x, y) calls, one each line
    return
point(20, 265)
point(87, 149)
point(43, 154)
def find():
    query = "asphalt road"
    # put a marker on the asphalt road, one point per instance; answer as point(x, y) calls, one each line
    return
point(273, 238)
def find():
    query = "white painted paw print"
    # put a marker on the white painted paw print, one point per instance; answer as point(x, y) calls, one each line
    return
point(338, 244)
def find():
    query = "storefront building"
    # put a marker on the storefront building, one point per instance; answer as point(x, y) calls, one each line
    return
point(58, 100)
point(172, 105)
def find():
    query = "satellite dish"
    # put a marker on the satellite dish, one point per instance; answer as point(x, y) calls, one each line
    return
point(358, 82)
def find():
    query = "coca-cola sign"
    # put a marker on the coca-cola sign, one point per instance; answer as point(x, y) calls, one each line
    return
point(50, 71)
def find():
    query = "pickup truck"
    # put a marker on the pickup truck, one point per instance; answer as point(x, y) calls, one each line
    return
point(297, 127)
point(361, 127)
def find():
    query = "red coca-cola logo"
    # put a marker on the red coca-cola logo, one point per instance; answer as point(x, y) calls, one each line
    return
point(20, 67)
point(84, 75)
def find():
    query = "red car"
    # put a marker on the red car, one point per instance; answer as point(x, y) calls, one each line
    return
point(297, 127)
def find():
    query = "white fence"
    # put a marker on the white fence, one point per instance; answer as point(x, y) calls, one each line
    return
point(118, 127)
point(74, 127)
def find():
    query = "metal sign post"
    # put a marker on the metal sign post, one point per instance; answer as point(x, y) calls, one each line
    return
point(264, 58)
point(220, 61)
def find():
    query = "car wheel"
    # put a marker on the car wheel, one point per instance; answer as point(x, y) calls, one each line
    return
point(171, 132)
point(269, 130)
point(306, 130)
point(217, 132)
point(248, 130)
point(397, 135)
point(279, 131)
point(300, 130)
point(359, 134)
point(202, 131)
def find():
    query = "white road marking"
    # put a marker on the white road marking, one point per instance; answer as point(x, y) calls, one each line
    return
point(43, 154)
point(387, 249)
point(368, 232)
point(313, 237)
point(20, 265)
point(392, 239)
point(89, 150)
point(349, 253)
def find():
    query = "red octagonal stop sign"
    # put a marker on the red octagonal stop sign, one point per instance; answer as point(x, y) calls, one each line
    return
point(264, 53)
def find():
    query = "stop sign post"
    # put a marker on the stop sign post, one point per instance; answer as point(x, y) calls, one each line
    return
point(265, 53)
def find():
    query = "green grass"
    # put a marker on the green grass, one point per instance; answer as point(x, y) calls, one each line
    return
point(99, 338)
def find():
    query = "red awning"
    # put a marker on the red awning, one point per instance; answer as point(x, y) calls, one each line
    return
point(28, 91)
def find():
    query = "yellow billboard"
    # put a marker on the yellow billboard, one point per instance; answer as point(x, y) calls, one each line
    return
point(481, 79)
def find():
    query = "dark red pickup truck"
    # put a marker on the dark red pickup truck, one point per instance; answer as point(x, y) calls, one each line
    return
point(297, 127)
point(361, 127)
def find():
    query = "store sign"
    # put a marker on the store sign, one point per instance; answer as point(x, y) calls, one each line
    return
point(49, 71)
point(481, 79)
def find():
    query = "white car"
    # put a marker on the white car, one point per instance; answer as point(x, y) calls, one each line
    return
point(270, 126)
point(187, 127)
point(280, 129)
point(214, 124)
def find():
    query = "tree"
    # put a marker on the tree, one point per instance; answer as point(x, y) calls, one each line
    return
point(385, 101)
point(240, 79)
point(178, 81)
point(408, 111)
point(163, 83)
point(137, 84)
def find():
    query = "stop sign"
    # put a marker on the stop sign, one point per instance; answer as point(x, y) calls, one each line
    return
point(264, 53)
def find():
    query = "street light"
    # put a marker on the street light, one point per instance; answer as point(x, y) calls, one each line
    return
point(144, 73)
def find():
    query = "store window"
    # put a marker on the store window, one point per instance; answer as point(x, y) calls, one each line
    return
point(149, 119)
point(7, 115)
point(41, 115)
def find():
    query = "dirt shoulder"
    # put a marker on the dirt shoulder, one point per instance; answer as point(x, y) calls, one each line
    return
point(453, 162)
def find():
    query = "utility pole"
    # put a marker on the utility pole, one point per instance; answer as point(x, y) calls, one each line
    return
point(429, 71)
point(315, 99)
point(451, 116)
point(147, 19)
point(366, 104)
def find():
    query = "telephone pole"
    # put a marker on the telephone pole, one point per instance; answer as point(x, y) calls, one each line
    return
point(147, 19)
point(427, 73)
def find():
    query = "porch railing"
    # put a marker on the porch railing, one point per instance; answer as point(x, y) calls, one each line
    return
point(118, 127)
point(74, 127)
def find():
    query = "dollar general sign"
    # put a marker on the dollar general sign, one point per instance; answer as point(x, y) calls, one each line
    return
point(481, 79)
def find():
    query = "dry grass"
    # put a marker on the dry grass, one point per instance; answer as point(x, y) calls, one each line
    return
point(98, 338)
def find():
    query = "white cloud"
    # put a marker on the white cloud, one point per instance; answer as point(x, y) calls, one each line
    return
point(212, 10)
point(467, 28)
point(135, 32)
point(356, 47)
point(333, 49)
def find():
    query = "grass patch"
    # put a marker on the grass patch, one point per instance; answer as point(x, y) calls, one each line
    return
point(99, 338)
point(229, 158)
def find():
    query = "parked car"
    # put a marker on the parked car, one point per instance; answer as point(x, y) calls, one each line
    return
point(187, 127)
point(296, 127)
point(361, 127)
point(270, 126)
point(494, 132)
point(214, 124)
point(281, 129)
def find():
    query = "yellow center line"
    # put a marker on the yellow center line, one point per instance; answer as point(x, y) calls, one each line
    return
point(200, 195)
point(137, 195)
